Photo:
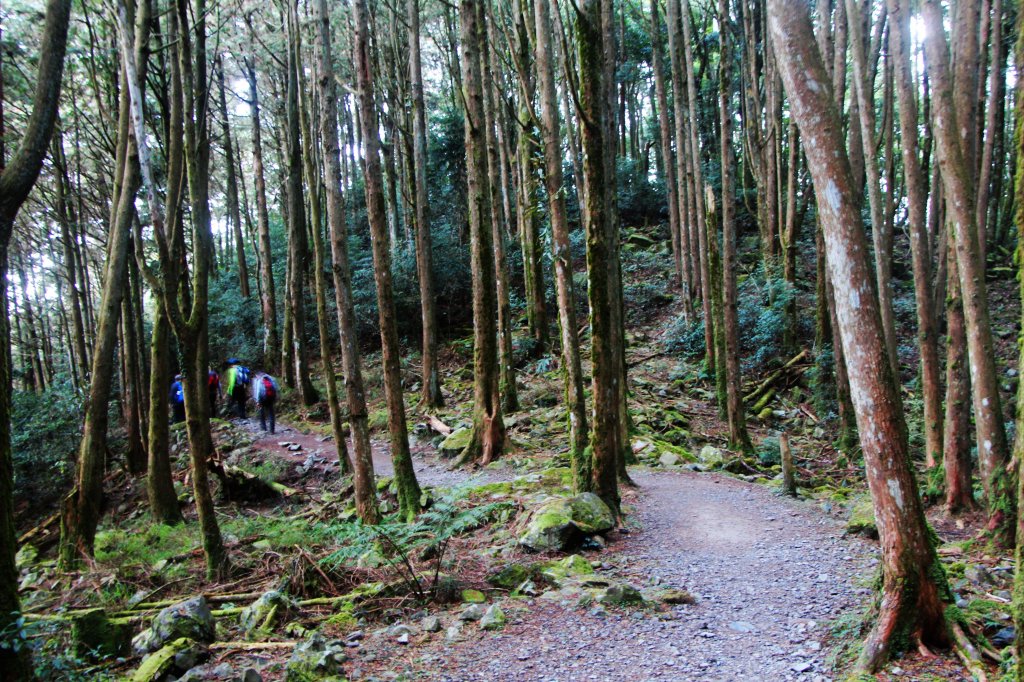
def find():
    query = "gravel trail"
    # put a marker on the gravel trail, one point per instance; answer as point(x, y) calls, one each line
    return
point(767, 573)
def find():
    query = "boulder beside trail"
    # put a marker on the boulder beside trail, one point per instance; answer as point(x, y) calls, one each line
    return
point(315, 659)
point(563, 522)
point(191, 619)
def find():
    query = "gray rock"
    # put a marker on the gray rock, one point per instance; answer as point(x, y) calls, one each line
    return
point(710, 456)
point(399, 630)
point(251, 675)
point(741, 626)
point(313, 659)
point(453, 632)
point(431, 624)
point(473, 612)
point(493, 618)
point(1004, 637)
point(668, 459)
point(620, 594)
point(190, 618)
point(256, 614)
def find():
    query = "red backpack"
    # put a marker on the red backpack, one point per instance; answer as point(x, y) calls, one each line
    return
point(269, 393)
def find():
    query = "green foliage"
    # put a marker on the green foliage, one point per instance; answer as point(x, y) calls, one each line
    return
point(146, 546)
point(396, 543)
point(54, 658)
point(235, 322)
point(770, 452)
point(45, 431)
point(641, 201)
point(762, 319)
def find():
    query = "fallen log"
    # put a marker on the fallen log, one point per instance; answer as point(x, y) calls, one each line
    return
point(438, 426)
point(774, 376)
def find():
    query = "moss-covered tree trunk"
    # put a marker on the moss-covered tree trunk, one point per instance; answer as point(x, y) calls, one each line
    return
point(488, 438)
point(363, 479)
point(16, 181)
point(572, 373)
point(163, 501)
point(405, 476)
point(914, 593)
point(605, 355)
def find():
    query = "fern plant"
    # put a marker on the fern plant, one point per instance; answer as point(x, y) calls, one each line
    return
point(398, 544)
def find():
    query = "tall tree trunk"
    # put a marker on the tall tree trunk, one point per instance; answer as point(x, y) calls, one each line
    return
point(365, 489)
point(268, 303)
point(231, 190)
point(915, 180)
point(954, 154)
point(506, 359)
point(16, 180)
point(488, 439)
point(320, 261)
point(605, 354)
point(575, 401)
point(698, 178)
point(405, 476)
point(163, 501)
point(298, 246)
point(66, 215)
point(738, 437)
point(914, 593)
point(431, 396)
point(81, 508)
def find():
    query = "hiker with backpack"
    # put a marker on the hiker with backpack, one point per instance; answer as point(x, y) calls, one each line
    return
point(237, 378)
point(264, 393)
point(177, 401)
point(213, 388)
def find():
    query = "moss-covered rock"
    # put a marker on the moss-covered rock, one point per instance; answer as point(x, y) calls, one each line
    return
point(511, 576)
point(473, 597)
point(620, 594)
point(190, 619)
point(571, 567)
point(493, 618)
point(96, 635)
point(711, 457)
point(456, 442)
point(862, 517)
point(562, 522)
point(316, 660)
point(259, 617)
point(167, 660)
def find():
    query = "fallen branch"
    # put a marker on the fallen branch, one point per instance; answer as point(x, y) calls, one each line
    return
point(438, 426)
point(251, 646)
point(753, 395)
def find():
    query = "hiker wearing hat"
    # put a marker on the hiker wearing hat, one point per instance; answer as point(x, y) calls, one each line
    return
point(177, 401)
point(236, 384)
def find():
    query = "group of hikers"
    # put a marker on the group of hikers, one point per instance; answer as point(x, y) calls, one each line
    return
point(235, 382)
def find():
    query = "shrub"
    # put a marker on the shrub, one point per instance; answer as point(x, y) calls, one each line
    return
point(45, 431)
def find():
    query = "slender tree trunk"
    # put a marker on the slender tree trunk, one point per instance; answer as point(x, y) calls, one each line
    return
point(667, 165)
point(231, 190)
point(431, 396)
point(506, 359)
point(405, 476)
point(163, 501)
point(738, 437)
point(81, 508)
point(572, 372)
point(953, 156)
point(268, 303)
point(915, 179)
point(914, 594)
point(365, 489)
point(320, 261)
point(488, 439)
point(298, 246)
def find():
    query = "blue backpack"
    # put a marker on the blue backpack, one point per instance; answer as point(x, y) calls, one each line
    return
point(177, 393)
point(242, 376)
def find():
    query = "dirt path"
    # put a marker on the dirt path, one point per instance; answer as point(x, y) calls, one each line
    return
point(767, 572)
